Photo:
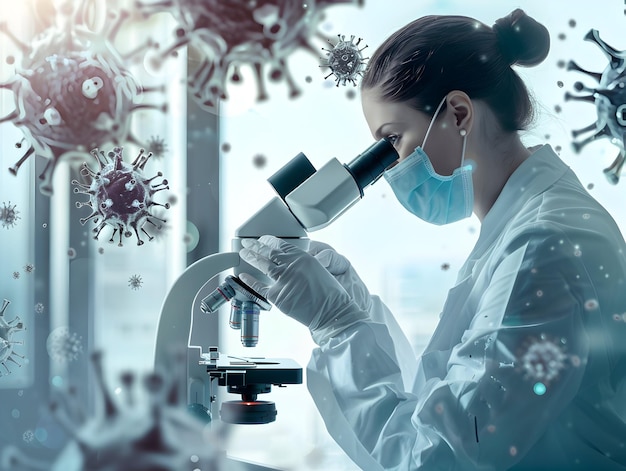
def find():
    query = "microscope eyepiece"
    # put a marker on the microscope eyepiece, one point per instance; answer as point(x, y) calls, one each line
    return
point(291, 175)
point(369, 166)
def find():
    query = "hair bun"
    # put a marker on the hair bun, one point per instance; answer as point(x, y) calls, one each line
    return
point(523, 41)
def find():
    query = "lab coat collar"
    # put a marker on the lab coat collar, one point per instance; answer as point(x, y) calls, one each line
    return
point(534, 176)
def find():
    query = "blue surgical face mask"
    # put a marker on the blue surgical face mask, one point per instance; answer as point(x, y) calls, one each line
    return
point(435, 198)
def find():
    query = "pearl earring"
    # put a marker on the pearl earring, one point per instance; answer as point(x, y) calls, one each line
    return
point(463, 132)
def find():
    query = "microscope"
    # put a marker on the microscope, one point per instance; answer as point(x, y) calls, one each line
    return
point(307, 200)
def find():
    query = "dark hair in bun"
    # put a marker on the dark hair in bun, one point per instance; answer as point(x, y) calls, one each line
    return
point(522, 40)
point(433, 55)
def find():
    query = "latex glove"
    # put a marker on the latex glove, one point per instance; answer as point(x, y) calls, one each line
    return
point(303, 289)
point(341, 268)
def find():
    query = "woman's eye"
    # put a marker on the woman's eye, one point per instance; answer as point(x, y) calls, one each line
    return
point(393, 138)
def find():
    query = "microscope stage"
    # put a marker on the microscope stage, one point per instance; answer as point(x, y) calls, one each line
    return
point(237, 371)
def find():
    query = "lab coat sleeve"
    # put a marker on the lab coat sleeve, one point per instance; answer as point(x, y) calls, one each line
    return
point(404, 353)
point(516, 367)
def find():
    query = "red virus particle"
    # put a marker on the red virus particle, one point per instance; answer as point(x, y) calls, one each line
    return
point(9, 215)
point(7, 344)
point(73, 90)
point(609, 98)
point(345, 60)
point(223, 35)
point(120, 195)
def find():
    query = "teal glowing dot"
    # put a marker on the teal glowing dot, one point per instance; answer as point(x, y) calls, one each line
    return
point(539, 389)
point(15, 413)
point(41, 434)
point(57, 381)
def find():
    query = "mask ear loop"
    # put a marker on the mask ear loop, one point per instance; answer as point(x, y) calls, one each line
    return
point(463, 134)
point(432, 121)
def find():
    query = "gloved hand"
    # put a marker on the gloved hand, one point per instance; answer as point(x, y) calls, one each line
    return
point(341, 268)
point(303, 289)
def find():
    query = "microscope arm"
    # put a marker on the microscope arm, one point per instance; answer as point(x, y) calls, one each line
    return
point(174, 326)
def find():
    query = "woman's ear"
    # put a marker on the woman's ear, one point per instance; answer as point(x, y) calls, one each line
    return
point(462, 109)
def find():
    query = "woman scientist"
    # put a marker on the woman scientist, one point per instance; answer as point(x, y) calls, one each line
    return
point(527, 366)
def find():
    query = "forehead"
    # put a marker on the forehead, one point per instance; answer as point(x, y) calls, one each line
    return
point(378, 111)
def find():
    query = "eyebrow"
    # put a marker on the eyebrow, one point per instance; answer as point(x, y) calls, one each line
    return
point(377, 133)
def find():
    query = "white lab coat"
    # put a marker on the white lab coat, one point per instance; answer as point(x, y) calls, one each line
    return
point(527, 367)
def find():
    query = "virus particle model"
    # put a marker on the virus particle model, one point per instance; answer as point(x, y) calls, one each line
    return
point(9, 215)
point(127, 434)
point(7, 330)
point(135, 282)
point(63, 346)
point(28, 436)
point(541, 359)
point(120, 195)
point(72, 90)
point(39, 308)
point(345, 60)
point(259, 161)
point(16, 275)
point(157, 146)
point(224, 35)
point(609, 97)
point(29, 268)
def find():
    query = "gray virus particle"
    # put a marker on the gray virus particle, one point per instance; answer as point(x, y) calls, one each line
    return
point(39, 308)
point(541, 359)
point(9, 215)
point(345, 60)
point(73, 90)
point(16, 275)
point(156, 146)
point(135, 282)
point(7, 330)
point(64, 346)
point(259, 161)
point(120, 195)
point(126, 434)
point(609, 98)
point(223, 35)
point(29, 268)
